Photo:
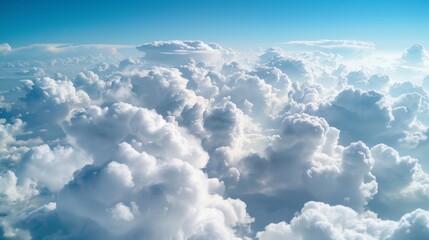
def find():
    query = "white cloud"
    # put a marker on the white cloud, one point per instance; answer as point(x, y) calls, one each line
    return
point(179, 52)
point(12, 192)
point(415, 56)
point(52, 168)
point(121, 212)
point(369, 111)
point(403, 185)
point(50, 51)
point(296, 69)
point(321, 221)
point(185, 143)
point(365, 81)
point(159, 202)
point(330, 44)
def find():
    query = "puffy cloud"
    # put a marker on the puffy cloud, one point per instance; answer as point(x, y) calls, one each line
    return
point(398, 89)
point(303, 155)
point(364, 111)
point(415, 56)
point(321, 221)
point(369, 112)
point(187, 144)
point(162, 89)
point(99, 130)
point(413, 225)
point(295, 68)
point(204, 82)
point(47, 96)
point(12, 191)
point(42, 104)
point(9, 149)
point(412, 65)
point(304, 160)
point(141, 195)
point(15, 198)
point(251, 94)
point(403, 185)
point(228, 131)
point(51, 168)
point(363, 80)
point(273, 76)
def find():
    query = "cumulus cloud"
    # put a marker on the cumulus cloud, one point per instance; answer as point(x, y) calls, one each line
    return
point(295, 68)
point(51, 168)
point(415, 56)
point(190, 141)
point(322, 221)
point(365, 111)
point(365, 81)
point(142, 190)
point(403, 185)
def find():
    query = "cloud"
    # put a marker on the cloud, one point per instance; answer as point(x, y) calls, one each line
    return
point(45, 97)
point(162, 89)
point(120, 197)
point(346, 48)
point(403, 185)
point(305, 160)
point(4, 47)
point(415, 56)
point(296, 69)
point(178, 52)
point(99, 130)
point(321, 221)
point(51, 168)
point(188, 142)
point(425, 83)
point(330, 44)
point(50, 51)
point(365, 81)
point(369, 112)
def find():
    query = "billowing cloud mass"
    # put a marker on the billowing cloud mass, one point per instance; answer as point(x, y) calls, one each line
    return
point(322, 221)
point(190, 140)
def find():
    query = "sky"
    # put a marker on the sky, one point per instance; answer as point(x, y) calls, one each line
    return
point(221, 120)
point(390, 24)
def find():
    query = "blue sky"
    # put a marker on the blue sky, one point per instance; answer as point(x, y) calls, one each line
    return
point(390, 24)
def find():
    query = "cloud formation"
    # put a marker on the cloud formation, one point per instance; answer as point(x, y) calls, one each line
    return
point(322, 221)
point(190, 141)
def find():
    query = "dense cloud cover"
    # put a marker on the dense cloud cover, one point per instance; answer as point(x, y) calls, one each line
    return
point(192, 141)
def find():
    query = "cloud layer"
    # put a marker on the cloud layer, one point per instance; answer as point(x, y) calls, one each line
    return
point(190, 141)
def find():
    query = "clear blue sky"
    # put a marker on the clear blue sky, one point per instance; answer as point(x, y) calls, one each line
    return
point(234, 23)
